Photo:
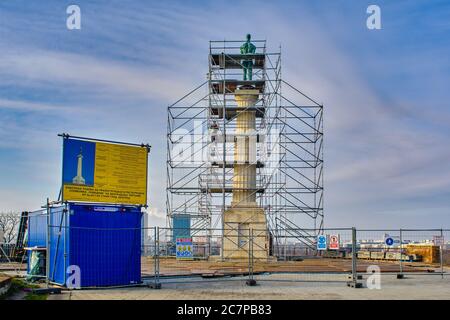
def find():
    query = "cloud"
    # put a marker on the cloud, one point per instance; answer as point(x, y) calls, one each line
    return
point(156, 217)
point(67, 69)
point(30, 106)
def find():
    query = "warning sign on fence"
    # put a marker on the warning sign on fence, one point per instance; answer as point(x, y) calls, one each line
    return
point(184, 248)
point(333, 242)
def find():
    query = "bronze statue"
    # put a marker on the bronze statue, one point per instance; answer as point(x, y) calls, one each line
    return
point(248, 48)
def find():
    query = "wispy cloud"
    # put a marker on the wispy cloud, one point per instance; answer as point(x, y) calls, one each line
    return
point(66, 69)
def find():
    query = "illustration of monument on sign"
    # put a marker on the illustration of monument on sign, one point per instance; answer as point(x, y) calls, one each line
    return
point(78, 179)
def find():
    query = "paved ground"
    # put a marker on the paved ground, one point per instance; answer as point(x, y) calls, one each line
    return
point(313, 285)
point(413, 287)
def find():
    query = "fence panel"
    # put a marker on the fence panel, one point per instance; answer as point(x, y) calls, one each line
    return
point(294, 256)
point(446, 249)
point(198, 255)
point(112, 255)
point(149, 256)
point(424, 251)
point(380, 250)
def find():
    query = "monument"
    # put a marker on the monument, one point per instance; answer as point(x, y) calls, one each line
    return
point(218, 127)
point(247, 64)
point(244, 216)
point(78, 179)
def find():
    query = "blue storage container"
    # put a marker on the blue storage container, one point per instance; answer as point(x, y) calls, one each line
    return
point(102, 242)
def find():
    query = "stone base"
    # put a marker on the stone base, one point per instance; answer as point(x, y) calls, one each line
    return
point(238, 222)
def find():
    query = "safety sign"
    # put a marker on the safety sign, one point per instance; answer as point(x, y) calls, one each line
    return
point(321, 242)
point(334, 242)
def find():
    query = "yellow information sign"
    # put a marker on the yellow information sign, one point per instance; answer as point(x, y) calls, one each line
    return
point(104, 172)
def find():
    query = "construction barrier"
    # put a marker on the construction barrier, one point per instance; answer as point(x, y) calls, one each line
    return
point(154, 256)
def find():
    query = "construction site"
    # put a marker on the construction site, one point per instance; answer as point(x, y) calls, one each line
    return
point(244, 199)
point(244, 155)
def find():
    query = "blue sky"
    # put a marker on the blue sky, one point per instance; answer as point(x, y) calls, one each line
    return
point(386, 97)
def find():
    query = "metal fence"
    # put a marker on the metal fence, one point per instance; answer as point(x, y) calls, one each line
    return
point(414, 251)
point(295, 257)
point(155, 256)
point(10, 259)
point(292, 255)
point(7, 251)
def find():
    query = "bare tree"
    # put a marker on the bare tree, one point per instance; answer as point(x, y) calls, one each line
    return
point(9, 224)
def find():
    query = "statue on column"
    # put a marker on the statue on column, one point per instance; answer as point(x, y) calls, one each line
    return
point(248, 48)
point(78, 179)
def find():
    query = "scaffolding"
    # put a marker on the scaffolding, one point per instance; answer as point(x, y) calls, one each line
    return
point(288, 157)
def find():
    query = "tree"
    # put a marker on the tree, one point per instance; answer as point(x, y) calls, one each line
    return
point(9, 224)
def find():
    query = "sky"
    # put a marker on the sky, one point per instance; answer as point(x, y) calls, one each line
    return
point(385, 93)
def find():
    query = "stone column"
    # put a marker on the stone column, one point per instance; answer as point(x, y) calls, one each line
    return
point(244, 213)
point(244, 177)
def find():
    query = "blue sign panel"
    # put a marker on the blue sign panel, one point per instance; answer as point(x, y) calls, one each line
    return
point(321, 242)
point(389, 241)
point(184, 248)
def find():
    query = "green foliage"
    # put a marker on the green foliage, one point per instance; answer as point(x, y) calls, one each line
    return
point(17, 285)
point(33, 296)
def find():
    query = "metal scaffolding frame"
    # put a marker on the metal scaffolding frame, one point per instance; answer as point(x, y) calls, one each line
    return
point(289, 154)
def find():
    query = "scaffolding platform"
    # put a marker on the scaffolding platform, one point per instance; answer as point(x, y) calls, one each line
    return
point(234, 61)
point(219, 164)
point(231, 85)
point(229, 189)
point(232, 112)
